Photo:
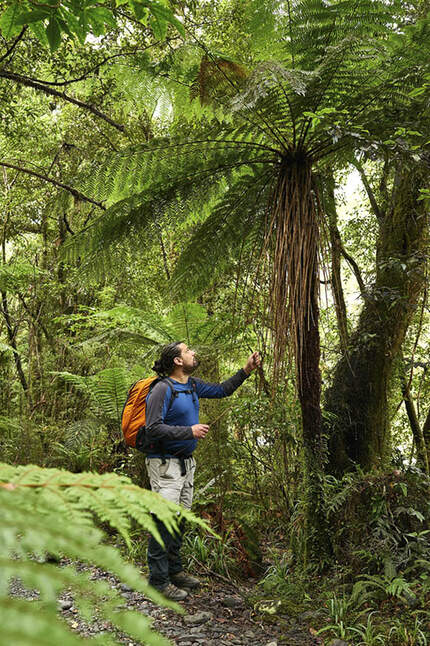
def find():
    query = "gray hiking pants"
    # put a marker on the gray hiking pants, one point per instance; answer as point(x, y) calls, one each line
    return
point(171, 483)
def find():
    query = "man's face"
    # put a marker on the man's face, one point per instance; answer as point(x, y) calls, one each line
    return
point(188, 359)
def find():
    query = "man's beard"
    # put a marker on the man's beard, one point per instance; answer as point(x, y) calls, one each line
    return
point(190, 369)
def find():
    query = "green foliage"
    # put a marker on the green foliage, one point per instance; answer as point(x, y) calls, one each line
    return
point(17, 276)
point(391, 514)
point(189, 321)
point(106, 391)
point(382, 588)
point(216, 556)
point(80, 18)
point(53, 512)
point(367, 633)
point(277, 578)
point(409, 635)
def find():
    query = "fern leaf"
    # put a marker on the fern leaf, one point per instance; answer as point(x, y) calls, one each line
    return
point(51, 511)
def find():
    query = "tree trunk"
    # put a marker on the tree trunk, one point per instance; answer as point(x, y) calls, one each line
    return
point(295, 308)
point(417, 431)
point(357, 423)
point(336, 253)
point(309, 387)
point(426, 433)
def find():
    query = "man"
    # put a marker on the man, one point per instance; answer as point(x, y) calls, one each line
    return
point(172, 424)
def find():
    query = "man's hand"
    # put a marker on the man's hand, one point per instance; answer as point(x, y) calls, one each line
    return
point(253, 362)
point(200, 430)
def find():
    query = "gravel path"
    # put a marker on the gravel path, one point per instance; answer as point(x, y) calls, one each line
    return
point(216, 615)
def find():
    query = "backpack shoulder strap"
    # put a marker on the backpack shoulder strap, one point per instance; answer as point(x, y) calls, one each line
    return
point(174, 393)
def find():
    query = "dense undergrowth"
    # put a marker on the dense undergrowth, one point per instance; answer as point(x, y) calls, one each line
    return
point(376, 590)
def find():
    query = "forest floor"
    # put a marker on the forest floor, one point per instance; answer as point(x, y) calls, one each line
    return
point(218, 614)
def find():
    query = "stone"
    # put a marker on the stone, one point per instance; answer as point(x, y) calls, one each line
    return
point(64, 604)
point(198, 618)
point(274, 643)
point(232, 602)
point(126, 588)
point(338, 642)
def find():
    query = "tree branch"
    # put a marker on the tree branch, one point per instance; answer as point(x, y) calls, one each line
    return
point(355, 268)
point(38, 85)
point(45, 178)
point(11, 333)
point(417, 431)
point(36, 319)
point(14, 44)
point(96, 67)
point(370, 193)
point(335, 249)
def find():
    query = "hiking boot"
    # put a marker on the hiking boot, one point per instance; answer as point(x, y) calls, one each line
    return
point(186, 581)
point(173, 593)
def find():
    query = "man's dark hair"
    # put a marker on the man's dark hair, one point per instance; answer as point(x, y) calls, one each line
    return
point(165, 364)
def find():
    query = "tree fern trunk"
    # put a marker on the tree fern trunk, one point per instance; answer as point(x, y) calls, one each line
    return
point(295, 223)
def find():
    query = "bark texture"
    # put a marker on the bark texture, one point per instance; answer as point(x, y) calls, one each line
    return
point(295, 223)
point(357, 419)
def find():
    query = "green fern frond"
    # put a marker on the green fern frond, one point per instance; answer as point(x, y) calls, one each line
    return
point(130, 171)
point(80, 433)
point(200, 168)
point(188, 321)
point(314, 25)
point(105, 390)
point(50, 511)
point(238, 214)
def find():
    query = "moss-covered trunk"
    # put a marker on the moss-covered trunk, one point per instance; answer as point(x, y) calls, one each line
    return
point(318, 546)
point(357, 420)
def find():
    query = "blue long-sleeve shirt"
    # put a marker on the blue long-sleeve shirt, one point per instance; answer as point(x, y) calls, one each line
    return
point(169, 422)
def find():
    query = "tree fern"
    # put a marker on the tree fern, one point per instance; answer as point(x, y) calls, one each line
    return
point(214, 245)
point(106, 391)
point(151, 330)
point(50, 511)
point(280, 123)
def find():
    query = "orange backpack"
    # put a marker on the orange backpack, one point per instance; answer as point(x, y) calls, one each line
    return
point(133, 417)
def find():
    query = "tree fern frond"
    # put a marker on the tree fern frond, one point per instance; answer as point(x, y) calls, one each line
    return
point(23, 623)
point(132, 170)
point(199, 172)
point(218, 79)
point(106, 391)
point(312, 26)
point(143, 93)
point(134, 323)
point(235, 215)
